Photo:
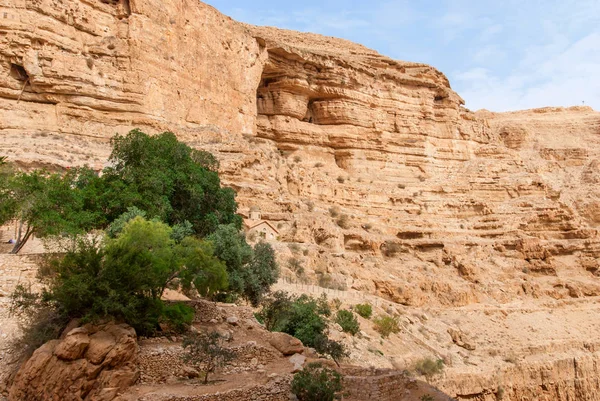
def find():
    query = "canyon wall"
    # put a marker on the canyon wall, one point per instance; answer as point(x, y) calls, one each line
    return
point(372, 166)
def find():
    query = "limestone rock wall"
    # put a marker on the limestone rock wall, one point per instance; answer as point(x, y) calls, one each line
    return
point(371, 166)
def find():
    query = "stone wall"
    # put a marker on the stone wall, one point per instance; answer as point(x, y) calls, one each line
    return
point(278, 389)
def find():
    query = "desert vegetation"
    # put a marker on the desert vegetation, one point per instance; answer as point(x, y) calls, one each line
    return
point(157, 218)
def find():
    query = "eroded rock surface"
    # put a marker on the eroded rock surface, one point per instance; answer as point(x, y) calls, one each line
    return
point(92, 363)
point(371, 166)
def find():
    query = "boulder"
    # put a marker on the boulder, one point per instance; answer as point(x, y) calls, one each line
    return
point(232, 320)
point(89, 363)
point(286, 344)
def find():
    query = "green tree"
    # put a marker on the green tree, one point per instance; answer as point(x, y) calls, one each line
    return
point(335, 349)
point(347, 321)
point(316, 383)
point(207, 352)
point(260, 273)
point(169, 180)
point(125, 277)
point(231, 247)
point(45, 205)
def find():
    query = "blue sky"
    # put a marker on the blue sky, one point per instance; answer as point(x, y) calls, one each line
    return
point(498, 55)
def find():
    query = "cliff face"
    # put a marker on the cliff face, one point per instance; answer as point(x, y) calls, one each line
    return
point(371, 164)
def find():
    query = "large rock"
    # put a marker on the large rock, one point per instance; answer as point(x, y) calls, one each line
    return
point(92, 363)
point(286, 344)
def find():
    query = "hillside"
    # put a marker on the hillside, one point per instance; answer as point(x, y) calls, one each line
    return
point(486, 223)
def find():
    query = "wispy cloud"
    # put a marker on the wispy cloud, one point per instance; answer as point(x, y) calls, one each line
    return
point(498, 55)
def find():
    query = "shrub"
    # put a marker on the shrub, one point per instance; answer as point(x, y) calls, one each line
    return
point(343, 221)
point(302, 317)
point(428, 367)
point(124, 278)
point(335, 349)
point(295, 265)
point(386, 325)
point(294, 248)
point(364, 310)
point(391, 248)
point(347, 321)
point(206, 351)
point(316, 383)
point(334, 211)
point(426, 397)
point(178, 315)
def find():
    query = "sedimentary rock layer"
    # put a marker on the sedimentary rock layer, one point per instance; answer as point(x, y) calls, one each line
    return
point(372, 165)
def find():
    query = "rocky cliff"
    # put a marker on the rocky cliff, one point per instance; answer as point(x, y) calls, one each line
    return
point(486, 221)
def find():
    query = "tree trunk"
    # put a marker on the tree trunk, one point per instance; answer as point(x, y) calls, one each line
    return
point(20, 243)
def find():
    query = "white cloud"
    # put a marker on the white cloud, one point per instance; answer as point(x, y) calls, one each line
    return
point(553, 76)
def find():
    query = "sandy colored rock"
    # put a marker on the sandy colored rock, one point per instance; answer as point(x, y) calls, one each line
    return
point(286, 344)
point(372, 165)
point(59, 371)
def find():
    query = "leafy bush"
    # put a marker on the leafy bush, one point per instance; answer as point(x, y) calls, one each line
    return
point(364, 310)
point(426, 397)
point(342, 221)
point(386, 325)
point(178, 315)
point(206, 351)
point(428, 367)
point(251, 271)
point(347, 321)
point(335, 349)
point(316, 383)
point(125, 277)
point(302, 317)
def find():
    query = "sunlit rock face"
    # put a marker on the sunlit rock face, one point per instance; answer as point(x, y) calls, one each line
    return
point(372, 165)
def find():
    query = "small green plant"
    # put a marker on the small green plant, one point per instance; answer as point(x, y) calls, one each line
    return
point(295, 248)
point(386, 325)
point(336, 303)
point(426, 397)
point(316, 383)
point(347, 321)
point(206, 351)
point(428, 367)
point(295, 265)
point(375, 351)
point(364, 310)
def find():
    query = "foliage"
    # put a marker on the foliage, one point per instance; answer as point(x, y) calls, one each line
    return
point(251, 271)
point(231, 247)
point(342, 221)
point(38, 319)
point(386, 325)
point(364, 310)
point(45, 205)
point(170, 181)
point(428, 367)
point(117, 225)
point(335, 349)
point(178, 315)
point(316, 383)
point(206, 351)
point(391, 248)
point(426, 397)
point(302, 317)
point(260, 273)
point(347, 321)
point(125, 277)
